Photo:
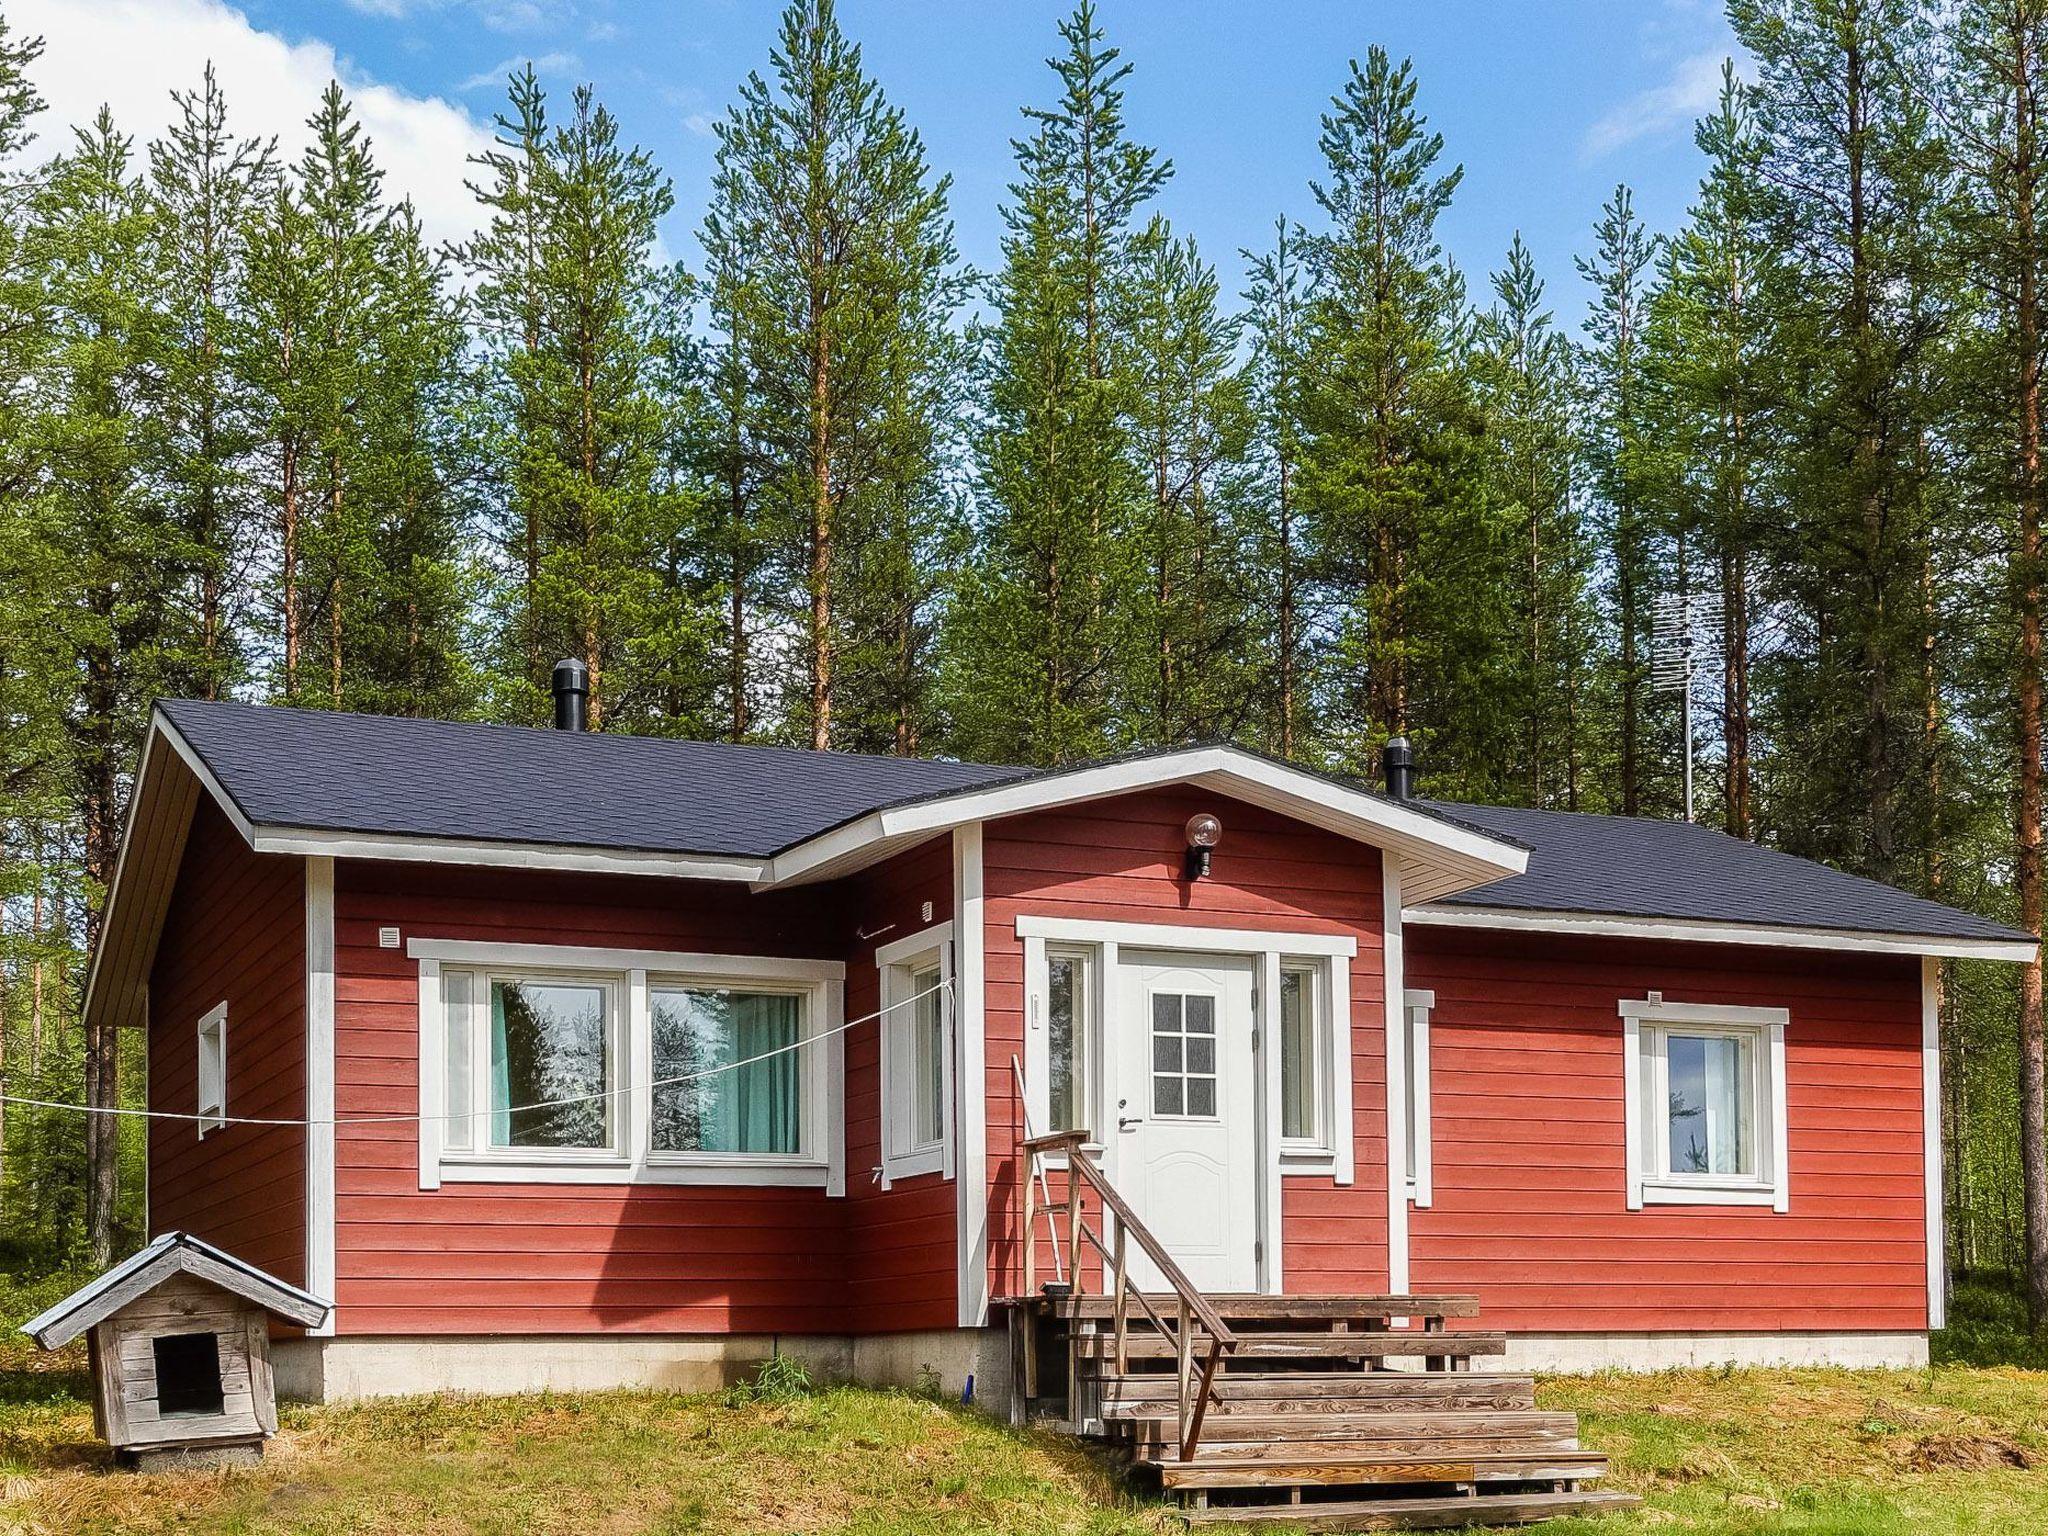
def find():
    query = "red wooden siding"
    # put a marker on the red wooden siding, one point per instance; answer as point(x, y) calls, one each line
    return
point(235, 933)
point(902, 1243)
point(1120, 860)
point(553, 1258)
point(1530, 1192)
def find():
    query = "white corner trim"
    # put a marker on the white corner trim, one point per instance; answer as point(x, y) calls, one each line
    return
point(970, 1201)
point(1392, 985)
point(1416, 1006)
point(1774, 1187)
point(1699, 932)
point(1930, 1130)
point(1266, 1054)
point(661, 962)
point(1185, 937)
point(320, 1262)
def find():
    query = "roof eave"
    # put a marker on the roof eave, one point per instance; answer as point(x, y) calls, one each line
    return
point(1699, 931)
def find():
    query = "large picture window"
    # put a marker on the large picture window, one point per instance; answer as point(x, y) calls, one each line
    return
point(1706, 1103)
point(623, 1066)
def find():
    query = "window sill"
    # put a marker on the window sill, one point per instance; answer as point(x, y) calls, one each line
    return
point(912, 1165)
point(732, 1171)
point(1308, 1161)
point(1708, 1194)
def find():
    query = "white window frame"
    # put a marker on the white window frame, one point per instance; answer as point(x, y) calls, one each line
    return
point(1311, 1153)
point(1647, 1023)
point(895, 966)
point(821, 1161)
point(211, 1039)
point(1417, 1006)
point(1096, 961)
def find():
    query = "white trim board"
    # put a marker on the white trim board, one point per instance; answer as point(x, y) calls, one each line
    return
point(1930, 1129)
point(320, 1161)
point(970, 1111)
point(1394, 1022)
point(1190, 937)
point(1700, 932)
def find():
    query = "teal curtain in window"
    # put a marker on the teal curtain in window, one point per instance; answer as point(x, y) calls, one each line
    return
point(756, 1107)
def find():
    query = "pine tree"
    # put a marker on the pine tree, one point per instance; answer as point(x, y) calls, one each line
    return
point(1269, 481)
point(1386, 402)
point(576, 315)
point(119, 554)
point(1619, 273)
point(205, 184)
point(824, 199)
point(1709, 400)
point(1526, 370)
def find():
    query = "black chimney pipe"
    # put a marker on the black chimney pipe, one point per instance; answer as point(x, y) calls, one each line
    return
point(1398, 758)
point(572, 695)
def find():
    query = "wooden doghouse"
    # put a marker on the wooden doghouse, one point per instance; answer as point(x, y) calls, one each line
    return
point(180, 1351)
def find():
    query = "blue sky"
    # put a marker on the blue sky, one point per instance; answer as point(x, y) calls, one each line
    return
point(1547, 103)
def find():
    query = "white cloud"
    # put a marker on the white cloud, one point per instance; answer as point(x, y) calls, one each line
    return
point(131, 54)
point(504, 69)
point(1693, 87)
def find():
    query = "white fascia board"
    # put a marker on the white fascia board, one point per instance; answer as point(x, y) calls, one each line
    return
point(1704, 932)
point(1474, 858)
point(553, 856)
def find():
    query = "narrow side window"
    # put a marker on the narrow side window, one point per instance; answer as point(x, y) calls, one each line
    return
point(213, 1069)
point(1421, 1178)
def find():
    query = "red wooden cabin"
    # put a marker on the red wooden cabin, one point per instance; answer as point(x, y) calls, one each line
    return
point(585, 1030)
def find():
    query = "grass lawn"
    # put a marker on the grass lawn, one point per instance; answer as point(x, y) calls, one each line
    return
point(1816, 1452)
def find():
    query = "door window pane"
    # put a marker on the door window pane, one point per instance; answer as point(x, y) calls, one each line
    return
point(1297, 1056)
point(1183, 1054)
point(743, 1092)
point(1710, 1081)
point(549, 1042)
point(929, 1034)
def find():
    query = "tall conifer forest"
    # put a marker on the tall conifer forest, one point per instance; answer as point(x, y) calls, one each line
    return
point(826, 486)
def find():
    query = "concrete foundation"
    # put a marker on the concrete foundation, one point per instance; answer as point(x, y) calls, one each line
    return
point(341, 1369)
point(1577, 1353)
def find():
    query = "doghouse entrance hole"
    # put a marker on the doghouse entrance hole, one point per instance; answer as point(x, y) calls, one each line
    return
point(187, 1373)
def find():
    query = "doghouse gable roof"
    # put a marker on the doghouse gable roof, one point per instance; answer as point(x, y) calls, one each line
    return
point(174, 1253)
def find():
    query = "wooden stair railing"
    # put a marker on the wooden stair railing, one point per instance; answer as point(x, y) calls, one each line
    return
point(1193, 1313)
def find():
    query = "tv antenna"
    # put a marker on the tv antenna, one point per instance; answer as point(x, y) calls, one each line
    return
point(1685, 642)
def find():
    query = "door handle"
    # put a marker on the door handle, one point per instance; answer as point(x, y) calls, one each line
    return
point(1125, 1122)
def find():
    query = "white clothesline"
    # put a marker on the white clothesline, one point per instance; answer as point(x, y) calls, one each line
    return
point(470, 1114)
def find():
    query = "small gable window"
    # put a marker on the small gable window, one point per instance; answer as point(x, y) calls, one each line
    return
point(1705, 1099)
point(212, 1107)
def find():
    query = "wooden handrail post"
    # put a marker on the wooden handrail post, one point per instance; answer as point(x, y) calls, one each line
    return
point(1184, 1363)
point(1030, 1233)
point(1074, 1182)
point(1123, 1301)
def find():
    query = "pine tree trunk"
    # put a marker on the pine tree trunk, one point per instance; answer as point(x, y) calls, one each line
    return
point(2026, 583)
point(821, 529)
point(100, 815)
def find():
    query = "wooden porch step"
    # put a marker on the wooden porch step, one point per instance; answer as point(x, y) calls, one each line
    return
point(1314, 1392)
point(1295, 1466)
point(1308, 1346)
point(1434, 1514)
point(1252, 1309)
point(1363, 1432)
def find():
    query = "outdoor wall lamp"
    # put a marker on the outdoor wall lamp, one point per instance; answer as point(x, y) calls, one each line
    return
point(1204, 832)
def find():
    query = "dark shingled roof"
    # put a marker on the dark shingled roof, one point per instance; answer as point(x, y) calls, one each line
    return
point(382, 775)
point(1628, 866)
point(385, 775)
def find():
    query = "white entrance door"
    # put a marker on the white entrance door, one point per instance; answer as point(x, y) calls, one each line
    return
point(1186, 1135)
